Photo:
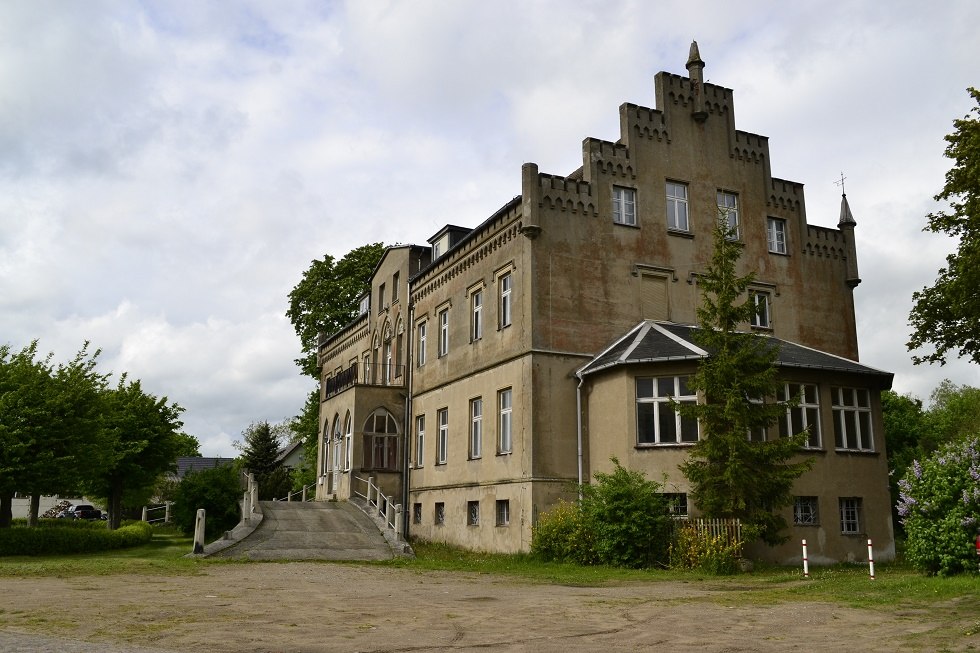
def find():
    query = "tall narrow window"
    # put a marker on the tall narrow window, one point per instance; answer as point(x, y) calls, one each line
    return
point(394, 287)
point(852, 419)
point(419, 440)
point(348, 441)
point(443, 332)
point(381, 441)
point(506, 287)
point(656, 421)
point(442, 439)
point(420, 354)
point(805, 416)
point(503, 512)
point(473, 513)
point(761, 318)
point(624, 205)
point(677, 207)
point(850, 515)
point(504, 424)
point(728, 211)
point(381, 298)
point(776, 233)
point(476, 302)
point(476, 428)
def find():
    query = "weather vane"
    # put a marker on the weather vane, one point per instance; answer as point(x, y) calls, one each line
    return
point(841, 183)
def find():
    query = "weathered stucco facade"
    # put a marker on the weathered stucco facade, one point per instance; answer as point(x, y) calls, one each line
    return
point(479, 347)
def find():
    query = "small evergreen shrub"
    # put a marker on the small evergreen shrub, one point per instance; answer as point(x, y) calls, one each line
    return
point(712, 554)
point(55, 537)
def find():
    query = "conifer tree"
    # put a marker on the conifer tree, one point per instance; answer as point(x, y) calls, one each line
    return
point(731, 474)
point(260, 455)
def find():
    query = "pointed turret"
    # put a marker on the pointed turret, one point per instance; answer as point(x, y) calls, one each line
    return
point(695, 70)
point(846, 224)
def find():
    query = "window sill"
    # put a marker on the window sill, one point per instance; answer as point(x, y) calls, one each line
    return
point(860, 452)
point(680, 233)
point(504, 453)
point(664, 445)
point(786, 254)
point(623, 224)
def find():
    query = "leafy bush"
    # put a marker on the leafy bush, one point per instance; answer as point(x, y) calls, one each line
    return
point(939, 504)
point(54, 537)
point(218, 491)
point(712, 554)
point(621, 521)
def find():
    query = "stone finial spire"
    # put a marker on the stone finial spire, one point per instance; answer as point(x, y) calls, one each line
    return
point(846, 224)
point(846, 218)
point(695, 70)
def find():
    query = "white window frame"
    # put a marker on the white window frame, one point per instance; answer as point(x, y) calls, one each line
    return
point(421, 329)
point(505, 423)
point(677, 504)
point(476, 428)
point(503, 512)
point(850, 515)
point(806, 511)
point(348, 442)
point(728, 209)
point(658, 401)
point(805, 416)
point(762, 316)
point(442, 439)
point(678, 215)
point(624, 205)
point(776, 235)
point(419, 440)
point(443, 332)
point(506, 285)
point(476, 315)
point(852, 420)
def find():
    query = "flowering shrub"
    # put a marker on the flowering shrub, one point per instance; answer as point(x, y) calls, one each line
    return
point(561, 535)
point(713, 554)
point(939, 504)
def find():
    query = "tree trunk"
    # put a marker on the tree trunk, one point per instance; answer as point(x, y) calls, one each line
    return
point(34, 510)
point(114, 506)
point(6, 509)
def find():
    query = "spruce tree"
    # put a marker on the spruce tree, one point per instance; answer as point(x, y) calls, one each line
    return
point(731, 475)
point(260, 455)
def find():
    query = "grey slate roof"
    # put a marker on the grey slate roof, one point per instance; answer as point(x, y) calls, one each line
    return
point(657, 342)
point(187, 464)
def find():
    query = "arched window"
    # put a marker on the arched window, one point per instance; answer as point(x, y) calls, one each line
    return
point(348, 441)
point(381, 441)
point(336, 452)
point(325, 446)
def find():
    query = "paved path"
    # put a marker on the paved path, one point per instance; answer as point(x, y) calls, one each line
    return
point(328, 530)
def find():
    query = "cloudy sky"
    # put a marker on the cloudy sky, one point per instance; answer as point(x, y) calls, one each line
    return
point(168, 170)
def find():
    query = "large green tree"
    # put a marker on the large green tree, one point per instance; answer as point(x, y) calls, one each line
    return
point(326, 298)
point(143, 437)
point(946, 315)
point(732, 476)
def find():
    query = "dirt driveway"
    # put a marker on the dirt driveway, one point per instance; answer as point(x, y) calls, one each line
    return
point(311, 607)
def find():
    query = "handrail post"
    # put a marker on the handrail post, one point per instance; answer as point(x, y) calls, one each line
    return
point(143, 518)
point(166, 511)
point(253, 489)
point(399, 519)
point(304, 494)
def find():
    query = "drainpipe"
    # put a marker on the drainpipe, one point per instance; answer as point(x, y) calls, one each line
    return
point(578, 429)
point(407, 457)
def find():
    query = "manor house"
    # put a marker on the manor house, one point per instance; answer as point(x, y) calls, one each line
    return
point(495, 367)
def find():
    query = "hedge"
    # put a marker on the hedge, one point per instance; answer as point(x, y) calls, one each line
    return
point(53, 538)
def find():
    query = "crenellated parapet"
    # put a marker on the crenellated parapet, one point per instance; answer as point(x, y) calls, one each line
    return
point(643, 122)
point(678, 91)
point(751, 148)
point(785, 196)
point(825, 242)
point(575, 195)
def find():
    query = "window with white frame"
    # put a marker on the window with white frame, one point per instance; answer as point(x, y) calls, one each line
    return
point(476, 315)
point(416, 513)
point(443, 332)
point(365, 305)
point(656, 421)
point(624, 205)
point(421, 330)
point(473, 513)
point(348, 441)
point(476, 428)
point(762, 317)
point(503, 512)
point(442, 439)
point(852, 419)
point(850, 515)
point(677, 207)
point(805, 416)
point(506, 289)
point(419, 440)
point(381, 441)
point(805, 511)
point(676, 504)
point(439, 513)
point(505, 423)
point(776, 233)
point(759, 433)
point(728, 213)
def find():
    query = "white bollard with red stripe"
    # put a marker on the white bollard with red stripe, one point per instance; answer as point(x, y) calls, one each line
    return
point(871, 560)
point(806, 564)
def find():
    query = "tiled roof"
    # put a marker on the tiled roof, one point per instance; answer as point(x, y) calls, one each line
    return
point(658, 342)
point(187, 464)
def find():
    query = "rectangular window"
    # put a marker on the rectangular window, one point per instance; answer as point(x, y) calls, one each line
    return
point(394, 288)
point(762, 318)
point(850, 515)
point(852, 419)
point(476, 428)
point(381, 298)
point(804, 417)
point(505, 425)
point(676, 504)
point(624, 205)
point(442, 439)
point(656, 421)
point(506, 287)
point(503, 512)
point(416, 513)
point(677, 207)
point(380, 452)
point(365, 305)
point(439, 514)
point(805, 511)
point(776, 232)
point(728, 211)
point(420, 355)
point(443, 332)
point(473, 513)
point(419, 440)
point(476, 321)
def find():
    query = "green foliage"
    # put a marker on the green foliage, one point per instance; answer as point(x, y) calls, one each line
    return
point(954, 413)
point(712, 554)
point(260, 446)
point(69, 536)
point(622, 521)
point(217, 490)
point(325, 300)
point(305, 426)
point(940, 508)
point(946, 315)
point(731, 476)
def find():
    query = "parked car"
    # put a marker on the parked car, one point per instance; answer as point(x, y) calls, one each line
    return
point(81, 511)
